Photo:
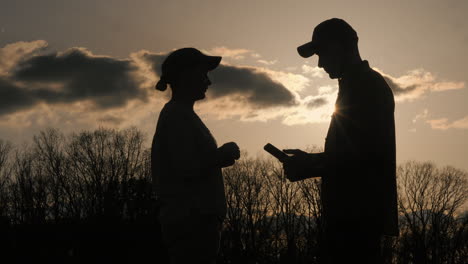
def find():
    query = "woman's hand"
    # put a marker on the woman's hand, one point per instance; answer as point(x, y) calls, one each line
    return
point(227, 154)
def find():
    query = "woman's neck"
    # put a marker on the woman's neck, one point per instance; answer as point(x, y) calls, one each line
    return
point(183, 101)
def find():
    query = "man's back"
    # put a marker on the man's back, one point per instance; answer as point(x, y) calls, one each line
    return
point(360, 144)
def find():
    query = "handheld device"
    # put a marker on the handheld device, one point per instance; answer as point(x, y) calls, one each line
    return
point(275, 152)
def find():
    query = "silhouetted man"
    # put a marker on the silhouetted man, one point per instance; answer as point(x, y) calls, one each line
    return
point(358, 165)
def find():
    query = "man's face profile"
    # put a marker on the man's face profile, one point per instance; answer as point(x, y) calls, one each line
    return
point(331, 59)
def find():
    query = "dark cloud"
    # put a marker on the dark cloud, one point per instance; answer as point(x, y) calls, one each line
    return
point(13, 98)
point(255, 86)
point(318, 102)
point(111, 119)
point(154, 60)
point(78, 75)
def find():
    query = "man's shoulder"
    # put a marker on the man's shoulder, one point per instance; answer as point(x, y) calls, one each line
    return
point(369, 85)
point(377, 77)
point(372, 77)
point(372, 81)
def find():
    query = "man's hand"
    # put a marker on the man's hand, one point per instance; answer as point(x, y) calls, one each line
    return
point(296, 153)
point(302, 165)
point(227, 154)
point(294, 164)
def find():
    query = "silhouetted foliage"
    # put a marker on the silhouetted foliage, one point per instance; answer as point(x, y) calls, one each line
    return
point(87, 197)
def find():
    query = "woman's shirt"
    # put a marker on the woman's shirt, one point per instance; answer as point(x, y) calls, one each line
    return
point(183, 161)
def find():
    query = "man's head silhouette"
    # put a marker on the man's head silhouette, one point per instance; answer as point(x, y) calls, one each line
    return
point(335, 42)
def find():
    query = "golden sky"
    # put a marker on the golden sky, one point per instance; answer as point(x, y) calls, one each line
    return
point(84, 64)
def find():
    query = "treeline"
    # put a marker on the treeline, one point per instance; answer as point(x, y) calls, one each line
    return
point(87, 197)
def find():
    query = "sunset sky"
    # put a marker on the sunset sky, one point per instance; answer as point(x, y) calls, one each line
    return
point(85, 64)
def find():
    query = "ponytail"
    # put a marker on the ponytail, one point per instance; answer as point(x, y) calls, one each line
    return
point(162, 84)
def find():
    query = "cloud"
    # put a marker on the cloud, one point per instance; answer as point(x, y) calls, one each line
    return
point(313, 71)
point(422, 115)
point(67, 77)
point(236, 54)
point(97, 84)
point(37, 88)
point(150, 61)
point(310, 109)
point(444, 124)
point(255, 55)
point(245, 84)
point(445, 86)
point(12, 53)
point(293, 81)
point(267, 62)
point(327, 89)
point(441, 123)
point(77, 116)
point(299, 113)
point(111, 119)
point(416, 83)
point(13, 98)
point(317, 102)
point(249, 84)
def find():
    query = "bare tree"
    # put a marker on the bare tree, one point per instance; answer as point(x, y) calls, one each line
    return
point(28, 189)
point(5, 149)
point(105, 175)
point(102, 164)
point(312, 211)
point(248, 222)
point(287, 206)
point(429, 202)
point(49, 152)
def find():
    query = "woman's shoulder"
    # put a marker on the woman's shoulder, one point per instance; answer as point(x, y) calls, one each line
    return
point(175, 111)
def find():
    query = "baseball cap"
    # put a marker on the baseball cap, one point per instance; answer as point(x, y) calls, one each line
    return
point(331, 30)
point(184, 59)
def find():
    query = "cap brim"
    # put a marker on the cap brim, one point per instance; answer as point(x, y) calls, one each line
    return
point(307, 49)
point(212, 62)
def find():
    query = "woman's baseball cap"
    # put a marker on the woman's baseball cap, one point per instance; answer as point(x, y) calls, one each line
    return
point(184, 59)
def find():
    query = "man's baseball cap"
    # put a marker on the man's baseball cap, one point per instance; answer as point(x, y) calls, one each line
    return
point(185, 59)
point(332, 30)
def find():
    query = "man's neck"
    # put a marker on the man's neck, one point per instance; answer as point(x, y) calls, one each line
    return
point(350, 65)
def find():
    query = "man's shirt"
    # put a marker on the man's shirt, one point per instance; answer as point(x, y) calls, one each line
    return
point(360, 146)
point(186, 178)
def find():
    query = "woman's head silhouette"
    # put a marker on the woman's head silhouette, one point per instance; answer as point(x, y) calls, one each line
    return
point(185, 70)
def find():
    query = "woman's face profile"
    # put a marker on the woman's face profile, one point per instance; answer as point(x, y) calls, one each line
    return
point(194, 83)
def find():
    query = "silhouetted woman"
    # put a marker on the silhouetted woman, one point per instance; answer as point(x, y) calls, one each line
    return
point(186, 162)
